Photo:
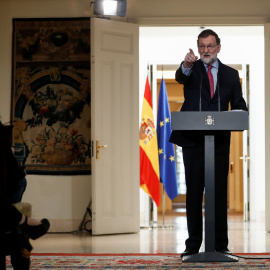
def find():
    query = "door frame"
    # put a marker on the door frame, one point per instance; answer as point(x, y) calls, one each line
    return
point(170, 62)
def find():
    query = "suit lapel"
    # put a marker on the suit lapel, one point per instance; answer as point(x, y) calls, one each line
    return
point(220, 73)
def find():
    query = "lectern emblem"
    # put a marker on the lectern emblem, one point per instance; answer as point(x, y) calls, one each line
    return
point(209, 121)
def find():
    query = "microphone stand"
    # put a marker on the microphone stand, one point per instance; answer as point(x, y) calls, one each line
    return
point(200, 104)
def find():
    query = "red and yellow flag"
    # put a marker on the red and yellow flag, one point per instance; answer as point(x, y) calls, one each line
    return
point(149, 160)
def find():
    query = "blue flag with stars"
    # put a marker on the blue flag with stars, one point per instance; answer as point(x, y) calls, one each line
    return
point(167, 166)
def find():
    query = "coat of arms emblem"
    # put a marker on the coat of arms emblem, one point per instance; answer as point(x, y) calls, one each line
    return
point(147, 130)
point(209, 121)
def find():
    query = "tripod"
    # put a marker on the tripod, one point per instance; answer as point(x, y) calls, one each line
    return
point(83, 224)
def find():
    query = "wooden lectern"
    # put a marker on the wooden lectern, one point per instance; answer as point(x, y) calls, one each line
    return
point(236, 120)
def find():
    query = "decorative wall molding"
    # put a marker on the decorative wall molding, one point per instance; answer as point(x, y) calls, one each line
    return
point(199, 21)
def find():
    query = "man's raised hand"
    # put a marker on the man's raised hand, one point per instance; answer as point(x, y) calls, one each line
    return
point(190, 59)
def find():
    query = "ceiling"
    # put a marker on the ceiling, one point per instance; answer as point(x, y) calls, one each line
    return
point(206, 8)
point(194, 12)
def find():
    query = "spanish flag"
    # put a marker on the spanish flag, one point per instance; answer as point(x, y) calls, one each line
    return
point(149, 160)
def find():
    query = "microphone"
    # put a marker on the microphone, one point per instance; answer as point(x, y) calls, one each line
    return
point(218, 94)
point(200, 103)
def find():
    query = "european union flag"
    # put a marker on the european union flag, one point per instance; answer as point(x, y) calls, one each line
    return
point(167, 166)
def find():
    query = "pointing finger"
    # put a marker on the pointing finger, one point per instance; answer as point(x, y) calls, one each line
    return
point(193, 56)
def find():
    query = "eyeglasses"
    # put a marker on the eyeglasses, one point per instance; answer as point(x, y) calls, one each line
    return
point(209, 47)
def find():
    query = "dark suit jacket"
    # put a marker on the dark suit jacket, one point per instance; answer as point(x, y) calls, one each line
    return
point(230, 92)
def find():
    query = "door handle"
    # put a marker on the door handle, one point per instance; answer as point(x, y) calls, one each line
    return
point(231, 167)
point(99, 147)
point(245, 158)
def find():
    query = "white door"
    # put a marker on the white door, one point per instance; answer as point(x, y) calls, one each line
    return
point(245, 158)
point(267, 126)
point(115, 126)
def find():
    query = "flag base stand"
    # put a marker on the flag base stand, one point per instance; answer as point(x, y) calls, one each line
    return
point(154, 225)
point(164, 227)
point(157, 227)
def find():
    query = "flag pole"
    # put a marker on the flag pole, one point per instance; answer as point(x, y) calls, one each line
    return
point(163, 212)
point(163, 205)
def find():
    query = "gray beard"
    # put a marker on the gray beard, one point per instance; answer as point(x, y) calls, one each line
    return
point(209, 61)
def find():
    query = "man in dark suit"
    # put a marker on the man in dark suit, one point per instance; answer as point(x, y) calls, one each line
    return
point(209, 85)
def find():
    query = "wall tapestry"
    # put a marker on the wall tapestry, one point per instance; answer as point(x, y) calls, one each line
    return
point(51, 95)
